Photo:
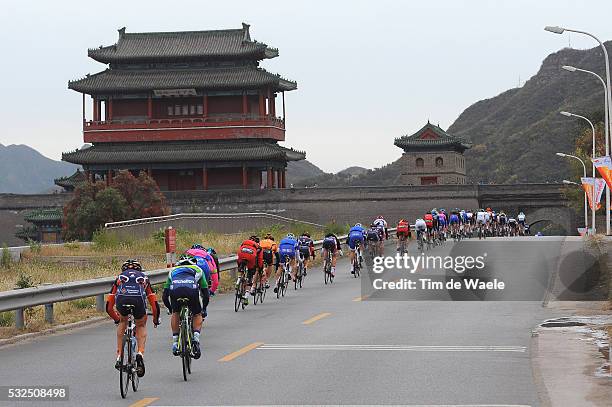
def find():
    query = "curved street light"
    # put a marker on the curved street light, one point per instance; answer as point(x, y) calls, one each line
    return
point(561, 30)
point(568, 114)
point(586, 213)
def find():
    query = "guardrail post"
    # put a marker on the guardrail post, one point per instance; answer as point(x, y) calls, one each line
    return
point(19, 318)
point(100, 302)
point(49, 313)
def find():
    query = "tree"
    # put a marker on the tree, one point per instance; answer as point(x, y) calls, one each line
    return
point(95, 204)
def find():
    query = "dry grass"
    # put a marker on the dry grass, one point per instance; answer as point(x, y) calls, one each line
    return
point(103, 258)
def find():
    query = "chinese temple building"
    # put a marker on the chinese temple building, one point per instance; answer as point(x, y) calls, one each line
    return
point(46, 226)
point(432, 156)
point(194, 109)
point(71, 182)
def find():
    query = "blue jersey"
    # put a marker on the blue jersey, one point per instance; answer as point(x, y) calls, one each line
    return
point(356, 234)
point(203, 264)
point(131, 283)
point(454, 219)
point(288, 246)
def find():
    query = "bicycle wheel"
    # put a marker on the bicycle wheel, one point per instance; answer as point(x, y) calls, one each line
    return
point(184, 351)
point(133, 375)
point(262, 295)
point(124, 378)
point(285, 284)
point(257, 287)
point(237, 299)
point(326, 271)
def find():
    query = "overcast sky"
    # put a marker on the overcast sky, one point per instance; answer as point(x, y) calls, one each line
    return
point(367, 71)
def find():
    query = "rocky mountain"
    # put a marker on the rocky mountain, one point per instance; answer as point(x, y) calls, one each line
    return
point(515, 135)
point(24, 170)
point(353, 171)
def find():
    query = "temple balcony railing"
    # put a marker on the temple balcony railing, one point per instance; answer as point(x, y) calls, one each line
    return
point(185, 128)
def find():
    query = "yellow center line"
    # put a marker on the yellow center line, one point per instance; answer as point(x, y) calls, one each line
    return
point(144, 402)
point(240, 352)
point(363, 297)
point(316, 318)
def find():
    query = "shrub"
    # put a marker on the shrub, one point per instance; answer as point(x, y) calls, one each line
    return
point(5, 260)
point(7, 318)
point(24, 280)
point(35, 247)
point(336, 228)
point(72, 245)
point(84, 303)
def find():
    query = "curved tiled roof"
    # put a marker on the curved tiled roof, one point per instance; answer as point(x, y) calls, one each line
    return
point(431, 137)
point(185, 45)
point(71, 181)
point(44, 215)
point(187, 151)
point(138, 80)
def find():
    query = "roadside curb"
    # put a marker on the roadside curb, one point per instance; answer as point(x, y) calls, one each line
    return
point(53, 330)
point(538, 377)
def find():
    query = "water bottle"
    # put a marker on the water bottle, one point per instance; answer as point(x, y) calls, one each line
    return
point(133, 345)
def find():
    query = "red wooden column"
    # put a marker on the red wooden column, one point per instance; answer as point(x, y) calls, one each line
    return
point(270, 178)
point(245, 104)
point(109, 113)
point(283, 178)
point(274, 178)
point(150, 107)
point(96, 110)
point(109, 177)
point(260, 178)
point(273, 105)
point(262, 105)
point(269, 103)
point(279, 180)
point(245, 177)
point(205, 178)
point(205, 107)
point(83, 109)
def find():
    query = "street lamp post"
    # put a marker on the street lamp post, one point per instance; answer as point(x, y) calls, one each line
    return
point(607, 113)
point(586, 213)
point(561, 30)
point(568, 114)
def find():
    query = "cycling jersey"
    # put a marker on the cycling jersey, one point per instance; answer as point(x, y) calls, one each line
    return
point(481, 217)
point(429, 220)
point(373, 235)
point(130, 288)
point(269, 249)
point(521, 217)
point(250, 253)
point(453, 219)
point(356, 234)
point(403, 228)
point(185, 282)
point(287, 248)
point(331, 243)
point(420, 225)
point(306, 246)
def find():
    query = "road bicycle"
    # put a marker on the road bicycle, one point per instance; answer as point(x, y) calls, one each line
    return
point(128, 370)
point(357, 259)
point(283, 281)
point(402, 245)
point(241, 283)
point(299, 275)
point(185, 339)
point(420, 241)
point(260, 288)
point(327, 267)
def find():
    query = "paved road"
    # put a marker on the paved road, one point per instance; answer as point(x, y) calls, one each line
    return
point(406, 352)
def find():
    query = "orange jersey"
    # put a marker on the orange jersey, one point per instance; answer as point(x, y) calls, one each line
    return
point(268, 244)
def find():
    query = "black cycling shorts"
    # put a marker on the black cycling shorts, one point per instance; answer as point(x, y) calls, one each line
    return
point(331, 246)
point(192, 294)
point(305, 252)
point(139, 310)
point(268, 257)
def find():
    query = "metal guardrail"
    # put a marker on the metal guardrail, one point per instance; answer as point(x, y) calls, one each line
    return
point(48, 294)
point(158, 219)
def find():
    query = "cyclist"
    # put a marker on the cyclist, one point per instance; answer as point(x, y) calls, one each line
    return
point(186, 280)
point(453, 222)
point(356, 234)
point(382, 223)
point(215, 273)
point(206, 262)
point(270, 256)
point(442, 224)
point(521, 220)
point(374, 238)
point(402, 232)
point(429, 222)
point(512, 224)
point(331, 244)
point(130, 288)
point(306, 245)
point(251, 255)
point(420, 226)
point(287, 248)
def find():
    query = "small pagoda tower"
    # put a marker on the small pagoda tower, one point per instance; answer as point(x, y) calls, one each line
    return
point(432, 156)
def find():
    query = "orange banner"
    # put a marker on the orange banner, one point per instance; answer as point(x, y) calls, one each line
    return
point(604, 167)
point(594, 188)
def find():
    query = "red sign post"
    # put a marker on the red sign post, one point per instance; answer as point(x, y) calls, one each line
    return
point(170, 246)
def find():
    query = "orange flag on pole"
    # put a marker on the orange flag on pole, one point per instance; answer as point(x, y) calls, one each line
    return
point(604, 167)
point(593, 186)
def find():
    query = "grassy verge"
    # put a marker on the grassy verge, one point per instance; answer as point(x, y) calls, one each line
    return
point(57, 264)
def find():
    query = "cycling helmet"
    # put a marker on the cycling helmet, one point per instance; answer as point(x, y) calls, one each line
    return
point(290, 236)
point(373, 225)
point(197, 246)
point(254, 238)
point(269, 236)
point(186, 260)
point(308, 234)
point(210, 250)
point(357, 225)
point(131, 264)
